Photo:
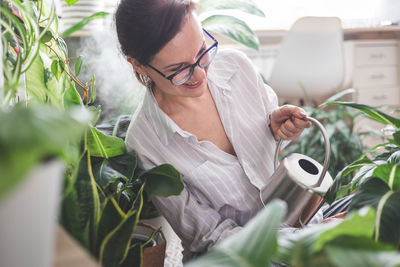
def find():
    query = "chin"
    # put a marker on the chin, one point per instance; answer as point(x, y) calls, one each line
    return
point(195, 89)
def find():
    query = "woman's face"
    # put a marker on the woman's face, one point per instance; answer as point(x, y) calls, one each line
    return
point(184, 49)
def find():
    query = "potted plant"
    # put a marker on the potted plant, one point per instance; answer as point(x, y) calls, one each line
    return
point(34, 139)
point(46, 104)
point(378, 178)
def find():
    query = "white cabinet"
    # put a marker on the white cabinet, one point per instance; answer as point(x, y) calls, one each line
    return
point(376, 79)
point(376, 72)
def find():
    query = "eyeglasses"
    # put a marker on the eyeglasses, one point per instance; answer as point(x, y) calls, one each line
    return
point(183, 75)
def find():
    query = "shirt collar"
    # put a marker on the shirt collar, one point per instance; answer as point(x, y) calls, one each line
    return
point(221, 70)
point(163, 125)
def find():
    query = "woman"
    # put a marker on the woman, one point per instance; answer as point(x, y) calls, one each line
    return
point(207, 113)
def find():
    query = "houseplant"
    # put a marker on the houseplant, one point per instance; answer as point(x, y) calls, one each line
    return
point(346, 145)
point(33, 134)
point(338, 243)
point(216, 16)
point(34, 49)
point(378, 178)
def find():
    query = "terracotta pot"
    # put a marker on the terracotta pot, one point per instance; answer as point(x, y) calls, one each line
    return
point(153, 255)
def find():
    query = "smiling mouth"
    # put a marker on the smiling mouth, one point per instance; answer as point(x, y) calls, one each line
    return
point(193, 84)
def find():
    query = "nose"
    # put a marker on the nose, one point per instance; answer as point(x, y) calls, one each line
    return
point(198, 73)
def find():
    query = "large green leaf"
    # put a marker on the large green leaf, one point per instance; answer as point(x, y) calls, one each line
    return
point(34, 80)
point(338, 184)
point(233, 28)
point(109, 170)
point(345, 256)
point(29, 135)
point(116, 243)
point(163, 180)
point(101, 145)
point(372, 112)
point(247, 6)
point(83, 23)
point(305, 247)
point(254, 245)
point(390, 173)
point(376, 193)
point(69, 215)
point(111, 217)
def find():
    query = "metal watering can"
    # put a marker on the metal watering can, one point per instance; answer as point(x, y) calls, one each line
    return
point(300, 181)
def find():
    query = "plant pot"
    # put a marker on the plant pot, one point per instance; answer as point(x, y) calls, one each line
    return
point(29, 217)
point(154, 253)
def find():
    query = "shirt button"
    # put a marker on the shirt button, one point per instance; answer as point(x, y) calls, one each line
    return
point(225, 92)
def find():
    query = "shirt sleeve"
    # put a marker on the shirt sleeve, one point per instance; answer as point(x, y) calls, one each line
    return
point(198, 226)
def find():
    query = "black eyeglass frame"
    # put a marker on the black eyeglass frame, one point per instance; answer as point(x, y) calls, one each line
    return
point(192, 66)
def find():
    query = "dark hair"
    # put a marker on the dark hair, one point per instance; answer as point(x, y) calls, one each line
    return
point(144, 27)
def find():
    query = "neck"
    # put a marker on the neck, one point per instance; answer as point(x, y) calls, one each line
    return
point(172, 104)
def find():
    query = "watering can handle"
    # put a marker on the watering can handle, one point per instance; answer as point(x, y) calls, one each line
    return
point(327, 151)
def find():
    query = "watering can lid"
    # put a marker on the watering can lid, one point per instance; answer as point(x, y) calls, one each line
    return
point(307, 178)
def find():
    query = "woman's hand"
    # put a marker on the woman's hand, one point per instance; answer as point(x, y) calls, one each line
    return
point(335, 217)
point(287, 122)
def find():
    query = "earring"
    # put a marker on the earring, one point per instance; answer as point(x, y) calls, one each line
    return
point(146, 80)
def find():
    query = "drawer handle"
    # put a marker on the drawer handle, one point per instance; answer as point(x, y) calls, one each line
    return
point(379, 97)
point(377, 56)
point(377, 76)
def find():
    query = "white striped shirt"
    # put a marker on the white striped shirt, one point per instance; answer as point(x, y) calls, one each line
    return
point(221, 191)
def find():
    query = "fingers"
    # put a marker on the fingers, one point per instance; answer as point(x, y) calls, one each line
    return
point(301, 123)
point(287, 122)
point(292, 128)
point(287, 111)
point(335, 217)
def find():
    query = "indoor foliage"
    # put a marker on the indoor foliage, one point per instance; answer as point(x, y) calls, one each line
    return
point(49, 111)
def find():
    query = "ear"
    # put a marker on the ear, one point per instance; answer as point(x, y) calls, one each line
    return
point(139, 68)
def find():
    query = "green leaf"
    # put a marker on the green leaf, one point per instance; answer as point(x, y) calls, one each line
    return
point(69, 217)
point(78, 65)
point(115, 168)
point(376, 193)
point(344, 256)
point(35, 80)
point(30, 135)
point(117, 242)
point(233, 28)
point(396, 137)
point(63, 46)
point(372, 112)
point(246, 6)
point(57, 68)
point(101, 145)
point(254, 245)
point(111, 217)
point(71, 2)
point(163, 180)
point(46, 37)
point(72, 97)
point(302, 247)
point(390, 173)
point(82, 23)
point(395, 158)
point(93, 90)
